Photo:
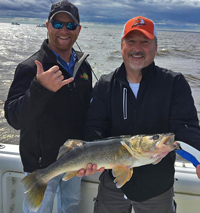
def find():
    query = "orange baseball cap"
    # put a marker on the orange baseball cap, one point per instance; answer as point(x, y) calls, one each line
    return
point(142, 24)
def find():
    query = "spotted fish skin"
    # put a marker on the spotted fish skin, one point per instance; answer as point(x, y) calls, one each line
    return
point(121, 154)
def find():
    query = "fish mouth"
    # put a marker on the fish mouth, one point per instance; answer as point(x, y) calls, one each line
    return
point(168, 141)
point(177, 145)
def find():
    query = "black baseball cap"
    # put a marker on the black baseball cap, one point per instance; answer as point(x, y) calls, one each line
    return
point(64, 6)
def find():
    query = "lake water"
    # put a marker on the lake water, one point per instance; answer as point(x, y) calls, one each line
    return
point(178, 51)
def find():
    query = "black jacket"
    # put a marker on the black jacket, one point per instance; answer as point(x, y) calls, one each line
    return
point(164, 104)
point(47, 119)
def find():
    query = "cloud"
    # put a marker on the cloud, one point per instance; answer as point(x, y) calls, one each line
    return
point(24, 8)
point(119, 11)
point(169, 13)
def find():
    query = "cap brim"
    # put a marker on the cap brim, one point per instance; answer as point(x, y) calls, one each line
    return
point(147, 34)
point(64, 12)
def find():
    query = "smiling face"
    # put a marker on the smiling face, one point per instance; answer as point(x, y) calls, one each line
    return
point(62, 40)
point(137, 51)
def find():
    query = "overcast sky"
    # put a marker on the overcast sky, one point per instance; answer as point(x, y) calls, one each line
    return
point(176, 14)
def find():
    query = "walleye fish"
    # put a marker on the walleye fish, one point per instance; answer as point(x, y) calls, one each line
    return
point(120, 154)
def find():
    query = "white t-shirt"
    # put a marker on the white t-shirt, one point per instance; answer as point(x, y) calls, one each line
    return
point(135, 88)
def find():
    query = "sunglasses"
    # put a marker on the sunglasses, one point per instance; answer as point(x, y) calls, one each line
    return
point(60, 25)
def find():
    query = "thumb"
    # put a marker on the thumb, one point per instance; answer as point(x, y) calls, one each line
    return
point(39, 67)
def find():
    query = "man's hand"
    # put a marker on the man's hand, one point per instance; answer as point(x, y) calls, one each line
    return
point(198, 171)
point(52, 79)
point(90, 170)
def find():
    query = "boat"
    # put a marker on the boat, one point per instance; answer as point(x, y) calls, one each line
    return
point(15, 23)
point(187, 185)
point(41, 25)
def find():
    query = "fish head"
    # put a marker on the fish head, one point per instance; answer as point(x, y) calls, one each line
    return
point(158, 143)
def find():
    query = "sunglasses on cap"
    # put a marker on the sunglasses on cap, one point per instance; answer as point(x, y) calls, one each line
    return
point(60, 25)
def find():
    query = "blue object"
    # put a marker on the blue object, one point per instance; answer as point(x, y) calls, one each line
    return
point(188, 156)
point(69, 67)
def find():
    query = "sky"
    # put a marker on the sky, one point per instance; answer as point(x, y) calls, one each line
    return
point(167, 14)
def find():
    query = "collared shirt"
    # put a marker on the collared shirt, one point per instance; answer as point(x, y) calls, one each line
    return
point(69, 67)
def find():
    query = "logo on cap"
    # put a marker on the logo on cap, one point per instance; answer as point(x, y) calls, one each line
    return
point(138, 22)
point(62, 4)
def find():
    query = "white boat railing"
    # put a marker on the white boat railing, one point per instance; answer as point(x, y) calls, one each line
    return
point(187, 185)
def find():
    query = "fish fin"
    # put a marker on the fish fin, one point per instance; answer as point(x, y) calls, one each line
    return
point(110, 138)
point(127, 148)
point(69, 175)
point(122, 175)
point(34, 190)
point(69, 144)
point(118, 137)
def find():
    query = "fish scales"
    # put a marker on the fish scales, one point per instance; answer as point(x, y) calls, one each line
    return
point(103, 154)
point(120, 154)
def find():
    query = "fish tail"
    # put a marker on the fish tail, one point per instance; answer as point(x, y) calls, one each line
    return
point(34, 190)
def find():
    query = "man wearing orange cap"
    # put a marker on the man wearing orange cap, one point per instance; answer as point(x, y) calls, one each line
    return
point(141, 98)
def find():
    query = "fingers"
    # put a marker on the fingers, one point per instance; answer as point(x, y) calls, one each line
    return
point(101, 169)
point(39, 67)
point(67, 81)
point(51, 79)
point(198, 171)
point(55, 69)
point(40, 70)
point(58, 74)
point(90, 170)
point(81, 173)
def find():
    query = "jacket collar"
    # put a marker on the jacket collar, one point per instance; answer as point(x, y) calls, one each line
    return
point(120, 73)
point(50, 57)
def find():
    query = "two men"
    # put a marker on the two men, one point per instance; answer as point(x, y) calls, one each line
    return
point(138, 98)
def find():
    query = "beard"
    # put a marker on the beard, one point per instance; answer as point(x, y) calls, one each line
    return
point(136, 64)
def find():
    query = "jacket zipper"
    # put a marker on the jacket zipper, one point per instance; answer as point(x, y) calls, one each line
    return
point(125, 108)
point(125, 103)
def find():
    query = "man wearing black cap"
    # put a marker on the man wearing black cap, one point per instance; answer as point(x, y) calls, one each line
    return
point(48, 102)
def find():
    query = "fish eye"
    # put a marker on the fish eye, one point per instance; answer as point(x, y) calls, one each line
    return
point(155, 137)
